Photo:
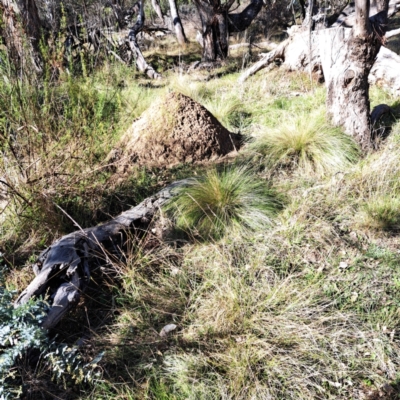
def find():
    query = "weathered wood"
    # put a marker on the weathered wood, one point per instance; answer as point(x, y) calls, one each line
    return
point(141, 63)
point(63, 270)
point(278, 53)
point(385, 71)
point(176, 20)
point(346, 61)
point(157, 9)
point(392, 33)
point(294, 53)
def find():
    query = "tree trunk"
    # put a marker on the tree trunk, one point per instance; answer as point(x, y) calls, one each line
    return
point(347, 57)
point(241, 21)
point(293, 54)
point(63, 270)
point(157, 9)
point(179, 31)
point(217, 24)
point(21, 29)
point(133, 44)
point(214, 32)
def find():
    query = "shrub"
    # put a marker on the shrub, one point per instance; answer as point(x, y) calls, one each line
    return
point(20, 332)
point(233, 198)
point(307, 142)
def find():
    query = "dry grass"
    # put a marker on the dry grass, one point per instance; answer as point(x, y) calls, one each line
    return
point(305, 308)
point(307, 142)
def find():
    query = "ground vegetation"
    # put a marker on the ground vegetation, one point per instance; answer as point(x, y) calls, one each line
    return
point(272, 272)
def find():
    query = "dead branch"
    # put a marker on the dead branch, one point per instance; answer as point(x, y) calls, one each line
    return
point(63, 270)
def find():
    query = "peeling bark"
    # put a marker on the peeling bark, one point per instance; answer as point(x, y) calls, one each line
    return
point(346, 61)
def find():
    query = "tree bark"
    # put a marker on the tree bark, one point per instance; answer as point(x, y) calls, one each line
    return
point(346, 61)
point(241, 21)
point(133, 44)
point(347, 56)
point(179, 31)
point(63, 270)
point(217, 24)
point(21, 29)
point(214, 31)
point(157, 9)
point(294, 56)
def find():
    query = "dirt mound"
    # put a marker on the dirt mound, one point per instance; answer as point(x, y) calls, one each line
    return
point(175, 129)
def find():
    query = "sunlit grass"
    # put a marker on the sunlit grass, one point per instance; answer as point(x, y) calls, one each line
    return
point(306, 142)
point(233, 198)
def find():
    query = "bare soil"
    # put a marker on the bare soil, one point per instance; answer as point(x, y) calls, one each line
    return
point(174, 130)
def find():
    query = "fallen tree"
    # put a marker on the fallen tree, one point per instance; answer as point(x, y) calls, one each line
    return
point(294, 55)
point(63, 270)
point(141, 63)
point(349, 58)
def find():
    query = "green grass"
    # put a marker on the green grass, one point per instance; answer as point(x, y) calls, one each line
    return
point(285, 301)
point(383, 213)
point(231, 199)
point(306, 142)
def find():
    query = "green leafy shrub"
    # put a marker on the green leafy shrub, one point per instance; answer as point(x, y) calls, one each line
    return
point(234, 198)
point(20, 332)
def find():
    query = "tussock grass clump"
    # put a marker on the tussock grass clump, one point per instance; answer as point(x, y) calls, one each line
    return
point(307, 142)
point(233, 198)
point(382, 213)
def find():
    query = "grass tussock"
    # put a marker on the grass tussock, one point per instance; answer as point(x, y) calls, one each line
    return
point(382, 213)
point(306, 142)
point(230, 199)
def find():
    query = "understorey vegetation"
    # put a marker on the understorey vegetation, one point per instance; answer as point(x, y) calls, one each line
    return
point(272, 273)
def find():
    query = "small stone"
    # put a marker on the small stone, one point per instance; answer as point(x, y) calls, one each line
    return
point(354, 297)
point(353, 235)
point(167, 329)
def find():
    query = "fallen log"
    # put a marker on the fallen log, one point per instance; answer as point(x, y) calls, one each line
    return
point(141, 63)
point(63, 270)
point(294, 55)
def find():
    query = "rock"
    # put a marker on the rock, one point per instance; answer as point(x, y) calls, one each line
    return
point(167, 329)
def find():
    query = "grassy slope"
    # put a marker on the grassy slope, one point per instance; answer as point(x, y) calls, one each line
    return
point(306, 309)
